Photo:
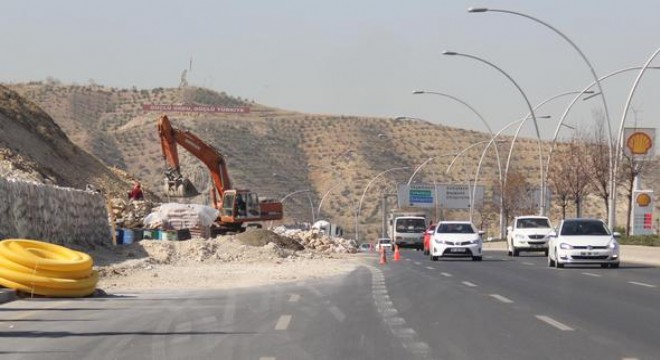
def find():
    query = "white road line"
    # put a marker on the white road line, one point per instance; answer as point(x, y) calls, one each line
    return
point(294, 298)
point(445, 274)
point(591, 274)
point(467, 283)
point(489, 257)
point(407, 259)
point(641, 284)
point(629, 359)
point(283, 322)
point(430, 267)
point(552, 322)
point(338, 314)
point(267, 358)
point(418, 263)
point(502, 298)
point(528, 263)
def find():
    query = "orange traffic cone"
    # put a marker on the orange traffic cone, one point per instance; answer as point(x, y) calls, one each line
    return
point(383, 258)
point(397, 256)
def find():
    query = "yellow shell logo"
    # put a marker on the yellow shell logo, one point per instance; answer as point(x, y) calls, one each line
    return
point(639, 143)
point(643, 200)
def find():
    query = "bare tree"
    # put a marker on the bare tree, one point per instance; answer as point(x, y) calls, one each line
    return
point(574, 172)
point(598, 159)
point(559, 178)
point(631, 168)
point(516, 196)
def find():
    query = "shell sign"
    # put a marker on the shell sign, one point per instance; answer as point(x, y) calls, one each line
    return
point(639, 141)
point(643, 199)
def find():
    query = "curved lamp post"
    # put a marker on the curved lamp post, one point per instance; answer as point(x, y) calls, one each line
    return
point(531, 110)
point(326, 194)
point(311, 204)
point(357, 214)
point(619, 138)
point(490, 131)
point(570, 106)
point(612, 163)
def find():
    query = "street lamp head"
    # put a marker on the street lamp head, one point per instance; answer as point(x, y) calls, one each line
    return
point(472, 9)
point(381, 135)
point(400, 118)
point(447, 52)
point(416, 92)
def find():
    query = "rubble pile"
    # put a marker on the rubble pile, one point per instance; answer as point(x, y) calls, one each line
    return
point(316, 240)
point(129, 214)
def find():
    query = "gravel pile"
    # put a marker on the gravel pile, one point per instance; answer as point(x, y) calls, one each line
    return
point(315, 240)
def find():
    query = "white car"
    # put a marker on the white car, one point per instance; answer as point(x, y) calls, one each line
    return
point(528, 233)
point(583, 241)
point(456, 239)
point(384, 243)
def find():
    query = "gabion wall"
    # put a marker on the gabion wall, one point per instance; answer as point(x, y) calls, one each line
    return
point(54, 214)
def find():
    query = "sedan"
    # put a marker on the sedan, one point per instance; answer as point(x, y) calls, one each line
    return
point(456, 239)
point(583, 241)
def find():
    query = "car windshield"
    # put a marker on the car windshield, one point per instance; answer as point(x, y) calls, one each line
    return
point(584, 227)
point(456, 229)
point(385, 241)
point(532, 223)
point(410, 225)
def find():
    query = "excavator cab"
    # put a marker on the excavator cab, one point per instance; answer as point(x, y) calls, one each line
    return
point(240, 204)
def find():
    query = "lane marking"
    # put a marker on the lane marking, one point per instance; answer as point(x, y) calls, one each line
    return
point(418, 263)
point(283, 322)
point(528, 263)
point(446, 274)
point(552, 322)
point(469, 284)
point(489, 257)
point(502, 298)
point(641, 284)
point(430, 267)
point(294, 298)
point(591, 274)
point(267, 358)
point(337, 313)
point(629, 359)
point(408, 260)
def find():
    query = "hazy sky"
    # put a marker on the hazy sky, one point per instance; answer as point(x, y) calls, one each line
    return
point(358, 57)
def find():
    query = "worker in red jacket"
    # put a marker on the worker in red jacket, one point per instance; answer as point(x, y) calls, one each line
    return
point(136, 193)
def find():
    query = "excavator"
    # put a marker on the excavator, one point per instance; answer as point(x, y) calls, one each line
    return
point(237, 207)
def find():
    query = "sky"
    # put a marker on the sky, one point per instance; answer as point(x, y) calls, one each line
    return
point(358, 57)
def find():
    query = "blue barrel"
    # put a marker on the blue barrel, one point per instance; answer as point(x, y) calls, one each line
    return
point(119, 236)
point(129, 235)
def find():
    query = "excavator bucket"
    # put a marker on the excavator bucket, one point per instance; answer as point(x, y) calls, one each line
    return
point(182, 188)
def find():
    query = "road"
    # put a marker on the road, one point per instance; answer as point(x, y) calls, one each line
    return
point(500, 308)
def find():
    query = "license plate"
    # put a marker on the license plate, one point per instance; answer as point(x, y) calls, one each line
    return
point(585, 253)
point(457, 250)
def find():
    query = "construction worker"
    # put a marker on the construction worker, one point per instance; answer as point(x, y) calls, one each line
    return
point(136, 192)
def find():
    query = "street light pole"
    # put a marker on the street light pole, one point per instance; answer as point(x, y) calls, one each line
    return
point(531, 110)
point(612, 162)
point(357, 214)
point(311, 204)
point(483, 120)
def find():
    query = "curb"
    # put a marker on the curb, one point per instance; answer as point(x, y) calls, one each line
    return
point(7, 295)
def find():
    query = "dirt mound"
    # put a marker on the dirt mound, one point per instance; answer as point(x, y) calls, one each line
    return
point(262, 237)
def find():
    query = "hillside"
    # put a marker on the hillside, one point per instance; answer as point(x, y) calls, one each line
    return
point(33, 147)
point(273, 151)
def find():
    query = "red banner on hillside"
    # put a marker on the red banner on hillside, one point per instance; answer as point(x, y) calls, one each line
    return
point(196, 108)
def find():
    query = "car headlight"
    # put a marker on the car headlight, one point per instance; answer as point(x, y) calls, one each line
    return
point(565, 246)
point(613, 244)
point(439, 241)
point(520, 237)
point(475, 241)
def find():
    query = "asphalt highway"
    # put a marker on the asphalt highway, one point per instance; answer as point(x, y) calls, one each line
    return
point(499, 308)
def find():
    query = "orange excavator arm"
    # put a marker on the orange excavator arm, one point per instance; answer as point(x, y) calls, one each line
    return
point(171, 137)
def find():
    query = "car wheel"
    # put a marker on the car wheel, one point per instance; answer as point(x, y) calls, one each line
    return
point(515, 251)
point(546, 252)
point(551, 263)
point(605, 265)
point(434, 258)
point(558, 264)
point(508, 249)
point(614, 265)
point(476, 258)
